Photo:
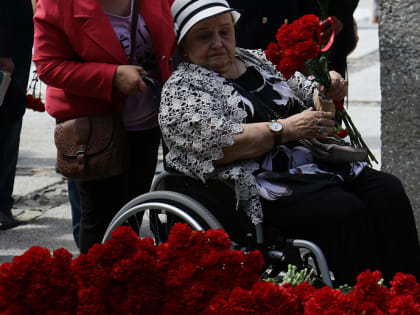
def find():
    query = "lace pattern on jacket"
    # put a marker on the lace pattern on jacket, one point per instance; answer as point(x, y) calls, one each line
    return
point(199, 114)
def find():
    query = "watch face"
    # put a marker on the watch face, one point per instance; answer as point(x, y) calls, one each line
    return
point(276, 126)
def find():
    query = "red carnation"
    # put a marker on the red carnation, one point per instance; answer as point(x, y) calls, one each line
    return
point(339, 105)
point(342, 133)
point(283, 37)
point(306, 28)
point(289, 63)
point(403, 304)
point(307, 49)
point(367, 289)
point(323, 301)
point(406, 284)
point(296, 43)
point(218, 239)
point(35, 104)
point(272, 299)
point(273, 53)
point(242, 301)
point(218, 304)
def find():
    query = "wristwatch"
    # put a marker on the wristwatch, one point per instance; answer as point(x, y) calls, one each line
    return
point(276, 128)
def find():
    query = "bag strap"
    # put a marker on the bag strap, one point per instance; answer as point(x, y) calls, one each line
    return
point(134, 19)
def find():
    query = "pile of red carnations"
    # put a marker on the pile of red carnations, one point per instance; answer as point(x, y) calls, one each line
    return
point(192, 273)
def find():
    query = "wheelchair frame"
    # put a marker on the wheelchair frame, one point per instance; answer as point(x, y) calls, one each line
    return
point(199, 218)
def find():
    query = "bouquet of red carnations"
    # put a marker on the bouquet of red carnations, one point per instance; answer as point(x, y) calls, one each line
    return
point(298, 46)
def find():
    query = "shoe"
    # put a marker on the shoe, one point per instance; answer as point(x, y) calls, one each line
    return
point(7, 221)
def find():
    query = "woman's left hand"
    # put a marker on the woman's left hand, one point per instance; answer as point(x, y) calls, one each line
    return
point(128, 80)
point(338, 88)
point(326, 29)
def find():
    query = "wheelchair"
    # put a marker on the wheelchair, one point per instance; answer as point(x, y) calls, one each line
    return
point(177, 198)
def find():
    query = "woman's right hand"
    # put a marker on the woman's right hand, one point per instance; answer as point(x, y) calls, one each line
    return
point(127, 79)
point(308, 124)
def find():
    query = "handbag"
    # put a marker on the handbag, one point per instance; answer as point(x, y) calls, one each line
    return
point(334, 150)
point(90, 148)
point(94, 147)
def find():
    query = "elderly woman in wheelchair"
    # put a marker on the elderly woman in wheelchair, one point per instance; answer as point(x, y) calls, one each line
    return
point(227, 115)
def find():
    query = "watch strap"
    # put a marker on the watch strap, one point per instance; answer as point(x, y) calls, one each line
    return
point(277, 138)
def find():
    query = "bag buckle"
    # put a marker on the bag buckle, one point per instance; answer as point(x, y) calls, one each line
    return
point(81, 160)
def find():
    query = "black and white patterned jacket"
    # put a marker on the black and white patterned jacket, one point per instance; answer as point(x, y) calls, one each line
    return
point(199, 114)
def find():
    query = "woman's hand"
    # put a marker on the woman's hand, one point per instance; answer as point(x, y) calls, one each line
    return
point(256, 138)
point(338, 88)
point(127, 79)
point(323, 105)
point(308, 124)
point(326, 29)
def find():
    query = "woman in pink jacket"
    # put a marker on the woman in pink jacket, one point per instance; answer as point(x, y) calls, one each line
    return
point(81, 52)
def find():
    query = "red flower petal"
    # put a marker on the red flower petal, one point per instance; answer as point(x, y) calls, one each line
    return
point(339, 105)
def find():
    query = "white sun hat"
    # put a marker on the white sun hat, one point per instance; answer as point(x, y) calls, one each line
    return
point(187, 13)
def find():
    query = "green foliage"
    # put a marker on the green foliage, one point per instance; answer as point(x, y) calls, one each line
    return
point(295, 277)
point(320, 70)
point(345, 288)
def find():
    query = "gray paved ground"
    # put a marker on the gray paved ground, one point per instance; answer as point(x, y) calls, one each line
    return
point(41, 194)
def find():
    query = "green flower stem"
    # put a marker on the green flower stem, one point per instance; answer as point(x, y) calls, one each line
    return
point(371, 155)
point(319, 70)
point(295, 277)
point(350, 132)
point(353, 133)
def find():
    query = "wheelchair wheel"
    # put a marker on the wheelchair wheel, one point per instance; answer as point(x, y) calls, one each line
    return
point(153, 215)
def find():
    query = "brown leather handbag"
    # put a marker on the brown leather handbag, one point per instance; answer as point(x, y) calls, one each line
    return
point(90, 148)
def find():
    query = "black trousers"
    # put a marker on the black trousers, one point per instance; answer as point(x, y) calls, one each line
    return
point(364, 224)
point(101, 199)
point(367, 223)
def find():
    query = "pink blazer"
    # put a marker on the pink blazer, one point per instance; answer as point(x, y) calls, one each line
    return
point(76, 52)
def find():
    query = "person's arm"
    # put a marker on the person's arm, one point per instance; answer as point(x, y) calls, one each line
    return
point(204, 126)
point(58, 65)
point(327, 29)
point(256, 138)
point(56, 60)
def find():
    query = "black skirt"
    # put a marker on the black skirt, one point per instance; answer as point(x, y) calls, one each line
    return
point(364, 224)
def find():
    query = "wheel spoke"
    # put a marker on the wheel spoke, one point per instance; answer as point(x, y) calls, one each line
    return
point(170, 222)
point(137, 224)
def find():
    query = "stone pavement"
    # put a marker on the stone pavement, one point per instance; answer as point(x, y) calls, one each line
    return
point(41, 194)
